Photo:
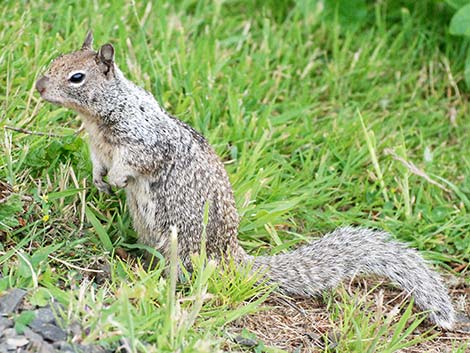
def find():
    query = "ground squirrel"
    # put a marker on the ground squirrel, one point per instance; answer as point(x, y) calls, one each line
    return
point(170, 172)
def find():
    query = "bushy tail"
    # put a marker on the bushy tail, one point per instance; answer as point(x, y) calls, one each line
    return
point(348, 252)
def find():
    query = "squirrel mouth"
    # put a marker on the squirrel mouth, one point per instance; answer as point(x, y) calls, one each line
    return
point(48, 99)
point(41, 86)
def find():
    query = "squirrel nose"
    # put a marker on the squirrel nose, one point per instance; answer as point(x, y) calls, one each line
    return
point(41, 84)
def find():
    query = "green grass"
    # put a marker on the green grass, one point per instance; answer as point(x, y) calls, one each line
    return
point(310, 113)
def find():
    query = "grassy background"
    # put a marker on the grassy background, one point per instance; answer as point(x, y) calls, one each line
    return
point(279, 90)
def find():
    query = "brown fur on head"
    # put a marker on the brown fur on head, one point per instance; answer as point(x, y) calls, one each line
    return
point(74, 79)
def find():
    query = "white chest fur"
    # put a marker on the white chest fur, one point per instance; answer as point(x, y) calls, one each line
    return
point(101, 150)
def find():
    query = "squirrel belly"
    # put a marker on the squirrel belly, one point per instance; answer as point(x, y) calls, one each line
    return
point(171, 173)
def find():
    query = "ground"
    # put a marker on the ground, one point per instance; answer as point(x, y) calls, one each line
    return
point(303, 325)
point(325, 115)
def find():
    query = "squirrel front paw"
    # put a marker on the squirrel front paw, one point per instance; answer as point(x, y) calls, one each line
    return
point(120, 181)
point(102, 186)
point(120, 174)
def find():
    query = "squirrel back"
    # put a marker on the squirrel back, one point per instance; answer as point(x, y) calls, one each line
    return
point(170, 173)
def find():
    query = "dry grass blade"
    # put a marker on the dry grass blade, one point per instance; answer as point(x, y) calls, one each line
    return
point(414, 169)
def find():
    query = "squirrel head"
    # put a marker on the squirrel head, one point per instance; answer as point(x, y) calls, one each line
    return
point(75, 80)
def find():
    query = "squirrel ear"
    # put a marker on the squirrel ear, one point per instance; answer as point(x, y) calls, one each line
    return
point(87, 44)
point(106, 54)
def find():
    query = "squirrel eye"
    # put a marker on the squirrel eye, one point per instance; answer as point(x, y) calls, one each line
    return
point(77, 78)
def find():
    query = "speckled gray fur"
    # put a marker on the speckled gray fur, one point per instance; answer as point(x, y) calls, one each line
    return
point(170, 173)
